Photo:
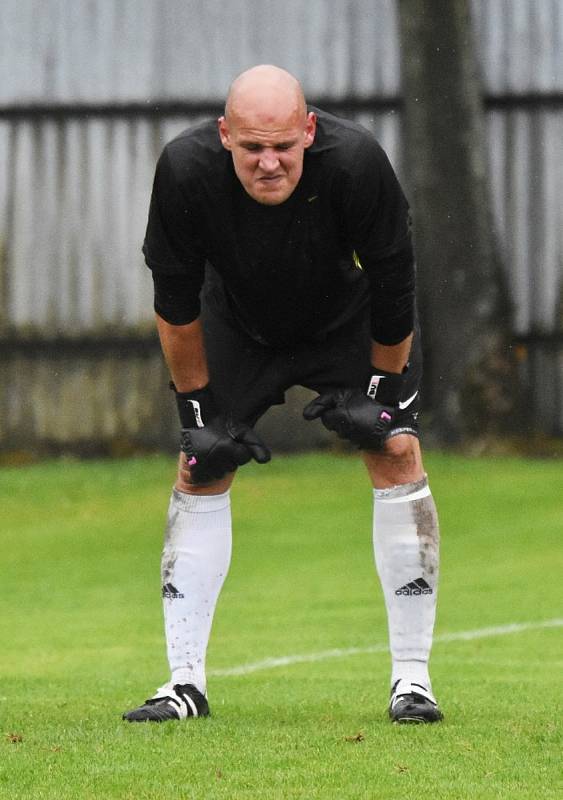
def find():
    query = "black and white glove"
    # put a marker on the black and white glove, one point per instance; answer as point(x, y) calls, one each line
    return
point(363, 416)
point(213, 443)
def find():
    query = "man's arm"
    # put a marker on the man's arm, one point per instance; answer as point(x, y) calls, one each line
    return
point(184, 352)
point(213, 445)
point(377, 220)
point(391, 358)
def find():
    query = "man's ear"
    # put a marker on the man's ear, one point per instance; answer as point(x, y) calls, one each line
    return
point(224, 134)
point(310, 129)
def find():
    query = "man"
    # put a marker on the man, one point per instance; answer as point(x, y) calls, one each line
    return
point(300, 228)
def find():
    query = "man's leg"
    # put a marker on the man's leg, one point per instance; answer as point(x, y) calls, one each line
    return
point(195, 562)
point(246, 380)
point(406, 545)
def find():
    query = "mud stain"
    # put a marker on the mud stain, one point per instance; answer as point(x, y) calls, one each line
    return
point(171, 523)
point(426, 520)
point(169, 555)
point(167, 566)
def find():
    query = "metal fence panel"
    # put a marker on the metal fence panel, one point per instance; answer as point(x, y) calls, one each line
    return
point(76, 177)
point(526, 153)
point(75, 202)
point(521, 45)
point(69, 51)
point(75, 208)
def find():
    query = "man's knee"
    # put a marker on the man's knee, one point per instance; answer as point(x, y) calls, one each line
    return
point(404, 449)
point(400, 461)
point(185, 484)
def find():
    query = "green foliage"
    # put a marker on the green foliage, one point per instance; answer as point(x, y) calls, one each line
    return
point(81, 633)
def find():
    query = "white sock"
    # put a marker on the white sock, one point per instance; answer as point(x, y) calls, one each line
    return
point(195, 562)
point(406, 545)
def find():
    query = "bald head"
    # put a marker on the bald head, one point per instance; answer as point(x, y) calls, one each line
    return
point(265, 92)
point(267, 129)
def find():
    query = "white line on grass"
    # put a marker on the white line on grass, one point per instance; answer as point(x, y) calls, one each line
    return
point(324, 655)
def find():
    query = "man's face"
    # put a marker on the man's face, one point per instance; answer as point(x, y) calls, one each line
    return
point(268, 150)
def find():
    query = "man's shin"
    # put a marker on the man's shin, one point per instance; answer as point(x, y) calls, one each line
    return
point(195, 562)
point(406, 546)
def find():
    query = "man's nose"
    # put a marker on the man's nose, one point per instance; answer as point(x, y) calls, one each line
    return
point(269, 161)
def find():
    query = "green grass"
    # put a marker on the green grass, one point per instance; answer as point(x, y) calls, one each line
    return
point(81, 638)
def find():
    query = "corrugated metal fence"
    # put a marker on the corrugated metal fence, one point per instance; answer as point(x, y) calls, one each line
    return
point(90, 92)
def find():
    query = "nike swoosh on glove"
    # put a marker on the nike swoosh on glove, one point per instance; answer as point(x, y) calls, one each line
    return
point(220, 447)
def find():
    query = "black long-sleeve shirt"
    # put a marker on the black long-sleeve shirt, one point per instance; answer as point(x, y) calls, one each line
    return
point(291, 271)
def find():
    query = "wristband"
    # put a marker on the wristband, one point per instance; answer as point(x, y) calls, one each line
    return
point(196, 408)
point(385, 387)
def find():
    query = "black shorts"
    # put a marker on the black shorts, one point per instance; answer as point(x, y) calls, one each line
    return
point(248, 377)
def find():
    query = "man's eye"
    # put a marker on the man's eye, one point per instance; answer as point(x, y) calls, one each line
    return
point(284, 147)
point(252, 148)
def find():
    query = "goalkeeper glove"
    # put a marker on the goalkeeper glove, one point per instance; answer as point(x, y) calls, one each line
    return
point(213, 443)
point(364, 417)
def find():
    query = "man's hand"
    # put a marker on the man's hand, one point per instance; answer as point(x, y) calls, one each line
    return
point(214, 444)
point(362, 417)
point(220, 447)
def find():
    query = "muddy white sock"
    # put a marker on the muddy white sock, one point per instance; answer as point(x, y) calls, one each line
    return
point(406, 546)
point(195, 562)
